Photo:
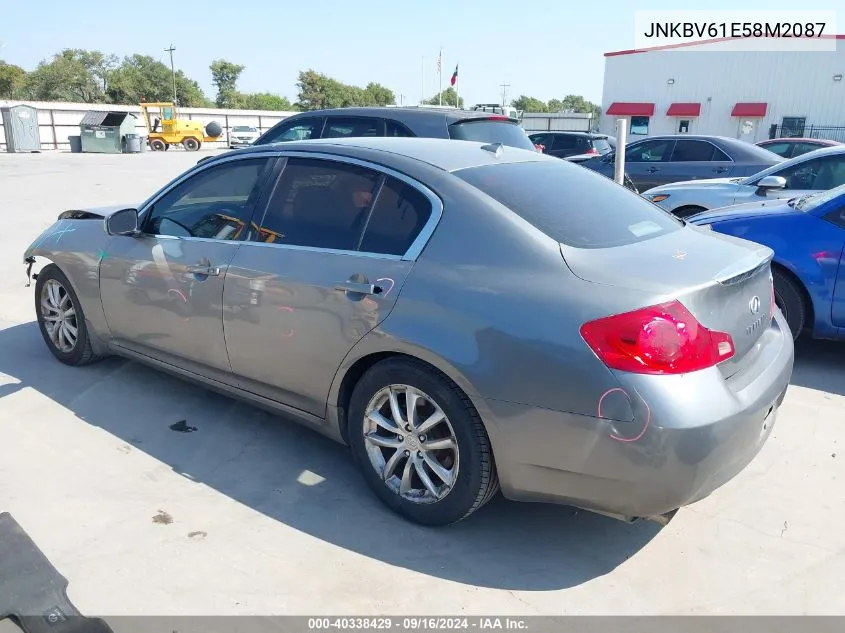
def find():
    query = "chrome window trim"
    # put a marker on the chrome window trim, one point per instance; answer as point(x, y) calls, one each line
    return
point(412, 254)
point(419, 243)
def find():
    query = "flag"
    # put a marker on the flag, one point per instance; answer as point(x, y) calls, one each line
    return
point(455, 76)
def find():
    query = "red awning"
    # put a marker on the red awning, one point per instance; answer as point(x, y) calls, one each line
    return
point(684, 109)
point(631, 109)
point(750, 109)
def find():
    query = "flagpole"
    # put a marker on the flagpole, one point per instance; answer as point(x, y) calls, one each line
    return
point(422, 94)
point(440, 74)
point(457, 96)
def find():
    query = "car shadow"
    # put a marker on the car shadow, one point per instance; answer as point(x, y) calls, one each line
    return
point(310, 483)
point(820, 365)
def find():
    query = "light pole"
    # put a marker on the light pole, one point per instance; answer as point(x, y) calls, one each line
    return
point(172, 71)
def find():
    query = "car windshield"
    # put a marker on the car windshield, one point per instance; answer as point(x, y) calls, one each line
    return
point(814, 200)
point(491, 131)
point(572, 205)
point(243, 128)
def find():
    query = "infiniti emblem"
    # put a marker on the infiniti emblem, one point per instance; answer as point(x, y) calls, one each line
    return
point(754, 305)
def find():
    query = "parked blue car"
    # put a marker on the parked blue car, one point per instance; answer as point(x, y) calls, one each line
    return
point(807, 234)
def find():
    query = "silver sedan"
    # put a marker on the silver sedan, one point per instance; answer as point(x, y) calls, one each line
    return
point(466, 317)
point(818, 170)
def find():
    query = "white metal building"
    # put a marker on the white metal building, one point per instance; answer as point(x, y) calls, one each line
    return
point(707, 88)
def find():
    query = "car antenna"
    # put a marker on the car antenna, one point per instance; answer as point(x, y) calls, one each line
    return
point(494, 148)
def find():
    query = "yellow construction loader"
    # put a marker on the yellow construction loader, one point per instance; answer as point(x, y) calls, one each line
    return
point(164, 128)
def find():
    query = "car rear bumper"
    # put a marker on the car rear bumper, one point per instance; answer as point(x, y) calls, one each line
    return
point(690, 435)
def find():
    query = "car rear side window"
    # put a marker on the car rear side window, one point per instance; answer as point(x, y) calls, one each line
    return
point(400, 213)
point(340, 127)
point(491, 131)
point(693, 151)
point(299, 130)
point(570, 204)
point(394, 128)
point(601, 145)
point(319, 203)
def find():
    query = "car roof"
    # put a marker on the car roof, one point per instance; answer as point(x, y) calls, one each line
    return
point(800, 139)
point(451, 114)
point(570, 133)
point(446, 154)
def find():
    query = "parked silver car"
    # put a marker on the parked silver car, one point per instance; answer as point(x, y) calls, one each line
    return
point(818, 170)
point(463, 316)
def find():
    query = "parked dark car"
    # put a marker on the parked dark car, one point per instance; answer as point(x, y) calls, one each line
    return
point(792, 147)
point(563, 144)
point(448, 123)
point(659, 160)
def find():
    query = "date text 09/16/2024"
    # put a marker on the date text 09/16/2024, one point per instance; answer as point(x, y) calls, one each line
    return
point(733, 29)
point(416, 623)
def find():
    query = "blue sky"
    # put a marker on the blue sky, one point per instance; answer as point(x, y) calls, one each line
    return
point(543, 48)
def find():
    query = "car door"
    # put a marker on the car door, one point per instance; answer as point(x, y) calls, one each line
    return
point(298, 129)
point(645, 161)
point(162, 289)
point(694, 159)
point(837, 218)
point(314, 281)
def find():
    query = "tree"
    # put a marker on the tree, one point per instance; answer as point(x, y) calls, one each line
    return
point(12, 80)
point(72, 75)
point(450, 98)
point(142, 78)
point(318, 91)
point(574, 103)
point(378, 95)
point(225, 75)
point(264, 101)
point(529, 104)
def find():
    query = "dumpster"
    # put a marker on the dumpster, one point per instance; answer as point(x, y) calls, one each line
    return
point(103, 132)
point(133, 143)
point(20, 125)
point(75, 144)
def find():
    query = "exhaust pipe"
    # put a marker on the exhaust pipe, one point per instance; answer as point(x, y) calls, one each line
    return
point(661, 519)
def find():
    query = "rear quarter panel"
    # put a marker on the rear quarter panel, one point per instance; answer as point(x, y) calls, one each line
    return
point(77, 247)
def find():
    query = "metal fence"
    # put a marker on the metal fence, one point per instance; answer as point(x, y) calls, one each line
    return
point(829, 132)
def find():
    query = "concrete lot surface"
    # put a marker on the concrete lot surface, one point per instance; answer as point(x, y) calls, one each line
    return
point(253, 514)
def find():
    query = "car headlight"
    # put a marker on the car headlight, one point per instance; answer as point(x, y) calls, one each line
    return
point(655, 197)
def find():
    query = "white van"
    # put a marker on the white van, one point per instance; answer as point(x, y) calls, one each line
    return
point(495, 108)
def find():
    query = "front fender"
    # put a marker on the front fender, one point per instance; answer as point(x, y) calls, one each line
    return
point(77, 247)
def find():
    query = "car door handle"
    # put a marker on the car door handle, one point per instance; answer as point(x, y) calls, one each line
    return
point(651, 170)
point(206, 271)
point(359, 288)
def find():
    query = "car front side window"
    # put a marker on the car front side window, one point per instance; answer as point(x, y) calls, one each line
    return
point(215, 203)
point(818, 174)
point(299, 130)
point(649, 151)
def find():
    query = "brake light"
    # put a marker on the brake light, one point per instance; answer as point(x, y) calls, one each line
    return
point(660, 339)
point(497, 117)
point(592, 151)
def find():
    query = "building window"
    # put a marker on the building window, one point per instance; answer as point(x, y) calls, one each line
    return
point(639, 125)
point(683, 126)
point(793, 126)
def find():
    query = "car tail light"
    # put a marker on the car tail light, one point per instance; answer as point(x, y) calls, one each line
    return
point(592, 151)
point(660, 339)
point(497, 117)
point(540, 148)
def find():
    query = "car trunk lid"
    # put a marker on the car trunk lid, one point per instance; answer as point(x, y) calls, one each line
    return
point(725, 282)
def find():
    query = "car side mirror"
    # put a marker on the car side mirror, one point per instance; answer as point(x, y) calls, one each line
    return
point(123, 222)
point(609, 158)
point(772, 182)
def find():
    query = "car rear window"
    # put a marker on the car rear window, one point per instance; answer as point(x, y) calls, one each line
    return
point(491, 131)
point(602, 146)
point(572, 205)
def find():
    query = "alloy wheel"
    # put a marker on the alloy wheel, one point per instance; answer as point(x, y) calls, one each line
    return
point(59, 316)
point(411, 444)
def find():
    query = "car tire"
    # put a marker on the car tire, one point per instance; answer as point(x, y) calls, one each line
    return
point(191, 144)
point(790, 299)
point(687, 212)
point(157, 145)
point(465, 458)
point(54, 295)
